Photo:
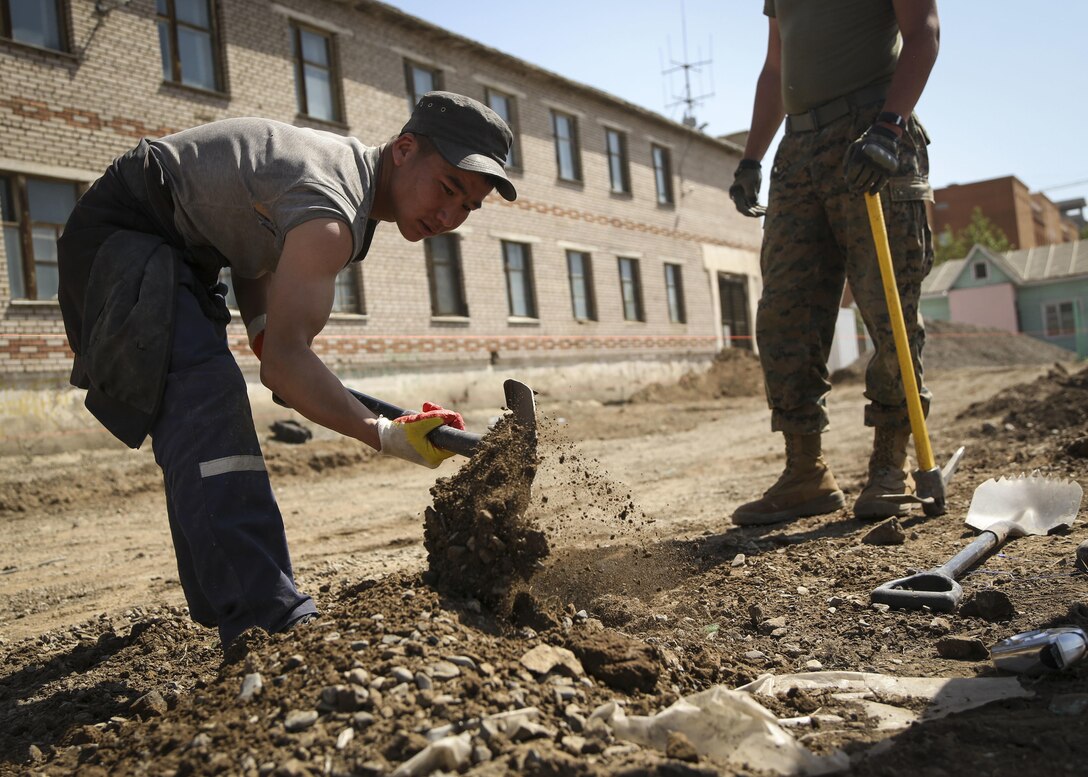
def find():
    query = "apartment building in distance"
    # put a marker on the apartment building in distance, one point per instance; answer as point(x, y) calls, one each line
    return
point(1028, 219)
point(622, 245)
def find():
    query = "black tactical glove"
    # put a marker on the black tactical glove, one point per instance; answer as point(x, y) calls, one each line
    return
point(745, 189)
point(871, 160)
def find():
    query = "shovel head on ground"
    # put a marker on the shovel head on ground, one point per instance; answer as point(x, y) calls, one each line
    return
point(1002, 508)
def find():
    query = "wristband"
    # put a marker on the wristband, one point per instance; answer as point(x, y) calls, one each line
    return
point(889, 117)
point(255, 332)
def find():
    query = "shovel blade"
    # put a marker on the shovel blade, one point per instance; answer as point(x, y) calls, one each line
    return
point(521, 401)
point(1035, 504)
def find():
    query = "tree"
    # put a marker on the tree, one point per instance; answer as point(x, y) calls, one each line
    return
point(981, 231)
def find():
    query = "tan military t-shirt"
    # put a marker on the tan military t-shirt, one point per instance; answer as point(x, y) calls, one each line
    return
point(833, 47)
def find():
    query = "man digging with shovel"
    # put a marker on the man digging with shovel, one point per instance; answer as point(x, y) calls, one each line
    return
point(286, 209)
point(846, 75)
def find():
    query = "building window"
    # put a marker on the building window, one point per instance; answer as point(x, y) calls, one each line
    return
point(347, 298)
point(1059, 319)
point(317, 78)
point(567, 155)
point(580, 269)
point(518, 264)
point(674, 291)
point(188, 42)
point(506, 106)
point(631, 290)
point(619, 175)
point(34, 22)
point(420, 80)
point(444, 276)
point(33, 212)
point(981, 271)
point(662, 174)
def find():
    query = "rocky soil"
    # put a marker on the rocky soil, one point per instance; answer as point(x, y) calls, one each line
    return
point(647, 594)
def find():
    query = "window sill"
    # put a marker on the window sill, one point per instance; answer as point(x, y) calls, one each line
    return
point(34, 303)
point(571, 183)
point(522, 321)
point(451, 320)
point(343, 317)
point(332, 124)
point(584, 321)
point(196, 91)
point(618, 195)
point(63, 57)
point(666, 205)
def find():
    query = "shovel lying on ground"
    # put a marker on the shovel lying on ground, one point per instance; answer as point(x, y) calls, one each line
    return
point(519, 399)
point(930, 483)
point(1002, 508)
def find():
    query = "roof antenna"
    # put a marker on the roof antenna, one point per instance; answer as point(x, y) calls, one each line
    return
point(687, 99)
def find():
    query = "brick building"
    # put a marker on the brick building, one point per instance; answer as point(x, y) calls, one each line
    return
point(622, 244)
point(1027, 219)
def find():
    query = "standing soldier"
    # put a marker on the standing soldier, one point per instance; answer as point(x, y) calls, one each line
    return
point(846, 75)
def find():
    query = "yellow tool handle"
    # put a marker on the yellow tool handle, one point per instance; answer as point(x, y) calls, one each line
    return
point(899, 328)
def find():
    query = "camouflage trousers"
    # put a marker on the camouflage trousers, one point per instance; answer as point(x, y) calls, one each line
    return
point(816, 237)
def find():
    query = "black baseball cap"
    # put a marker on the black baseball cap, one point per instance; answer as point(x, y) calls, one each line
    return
point(467, 134)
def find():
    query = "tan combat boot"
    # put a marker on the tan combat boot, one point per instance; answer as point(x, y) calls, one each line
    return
point(889, 473)
point(806, 487)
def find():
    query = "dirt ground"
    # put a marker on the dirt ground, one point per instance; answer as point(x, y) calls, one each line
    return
point(648, 585)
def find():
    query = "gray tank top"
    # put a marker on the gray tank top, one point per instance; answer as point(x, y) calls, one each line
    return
point(240, 185)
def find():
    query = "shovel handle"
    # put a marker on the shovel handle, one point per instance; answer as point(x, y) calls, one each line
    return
point(936, 588)
point(445, 437)
point(979, 548)
point(899, 330)
point(932, 589)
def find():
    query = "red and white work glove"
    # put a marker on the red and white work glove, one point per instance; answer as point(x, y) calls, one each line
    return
point(406, 437)
point(255, 331)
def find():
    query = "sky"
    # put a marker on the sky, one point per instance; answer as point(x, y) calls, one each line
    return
point(1006, 96)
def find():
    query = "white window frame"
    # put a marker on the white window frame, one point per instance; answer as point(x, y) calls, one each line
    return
point(1048, 306)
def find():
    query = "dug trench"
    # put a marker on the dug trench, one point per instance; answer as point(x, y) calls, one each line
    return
point(645, 594)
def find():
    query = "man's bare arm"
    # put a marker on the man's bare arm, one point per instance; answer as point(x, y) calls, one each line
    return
point(252, 295)
point(299, 301)
point(767, 111)
point(921, 32)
